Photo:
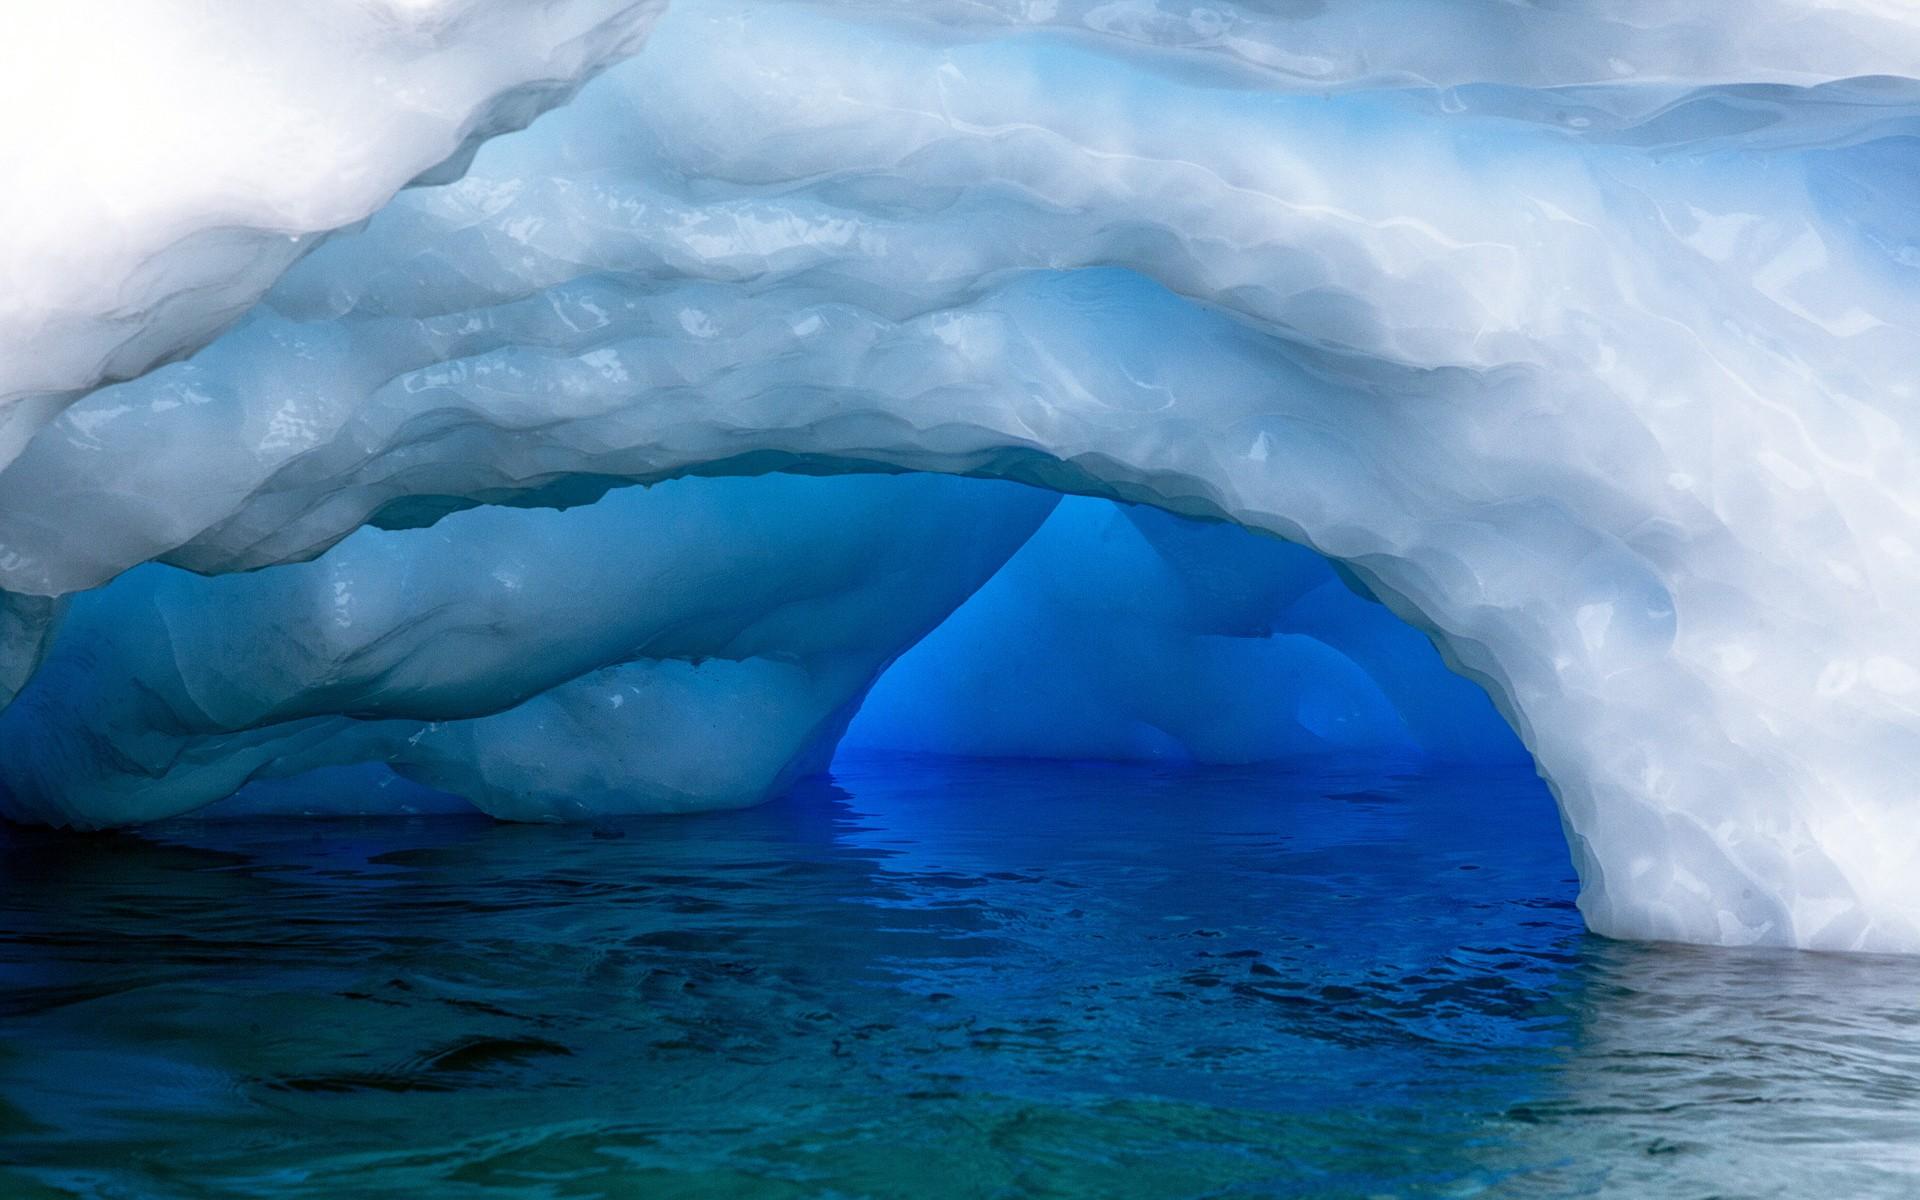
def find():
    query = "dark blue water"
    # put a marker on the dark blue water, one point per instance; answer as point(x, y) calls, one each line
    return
point(922, 981)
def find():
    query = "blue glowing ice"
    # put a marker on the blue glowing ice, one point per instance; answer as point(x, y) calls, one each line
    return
point(1125, 633)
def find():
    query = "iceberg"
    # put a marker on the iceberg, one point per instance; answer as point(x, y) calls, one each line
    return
point(1582, 339)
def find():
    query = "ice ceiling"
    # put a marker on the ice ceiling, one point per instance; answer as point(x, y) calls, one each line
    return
point(1581, 336)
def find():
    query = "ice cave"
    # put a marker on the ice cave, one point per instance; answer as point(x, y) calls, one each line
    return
point(572, 410)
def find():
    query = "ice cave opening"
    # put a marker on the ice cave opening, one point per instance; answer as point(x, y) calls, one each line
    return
point(707, 643)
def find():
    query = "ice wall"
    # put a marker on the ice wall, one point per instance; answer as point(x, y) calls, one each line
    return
point(695, 645)
point(1584, 335)
point(1121, 632)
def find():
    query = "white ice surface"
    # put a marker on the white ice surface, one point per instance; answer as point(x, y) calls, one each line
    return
point(163, 161)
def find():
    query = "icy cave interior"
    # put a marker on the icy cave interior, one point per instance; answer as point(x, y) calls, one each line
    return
point(613, 406)
point(634, 669)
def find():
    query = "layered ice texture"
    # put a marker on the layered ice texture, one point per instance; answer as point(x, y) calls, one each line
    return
point(1582, 338)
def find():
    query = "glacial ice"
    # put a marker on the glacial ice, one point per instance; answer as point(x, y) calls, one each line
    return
point(696, 644)
point(168, 160)
point(1583, 337)
point(1126, 633)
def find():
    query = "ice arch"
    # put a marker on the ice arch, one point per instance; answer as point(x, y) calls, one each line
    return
point(1600, 370)
point(1568, 626)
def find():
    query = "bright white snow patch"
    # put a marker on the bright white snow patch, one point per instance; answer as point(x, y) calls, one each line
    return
point(165, 160)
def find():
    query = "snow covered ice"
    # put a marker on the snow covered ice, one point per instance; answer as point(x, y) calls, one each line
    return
point(1583, 338)
point(167, 161)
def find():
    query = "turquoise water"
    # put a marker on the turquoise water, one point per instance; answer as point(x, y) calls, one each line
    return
point(926, 980)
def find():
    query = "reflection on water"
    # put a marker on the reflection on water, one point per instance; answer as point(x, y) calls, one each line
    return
point(922, 980)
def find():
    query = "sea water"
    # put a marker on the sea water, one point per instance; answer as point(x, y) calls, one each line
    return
point(927, 979)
